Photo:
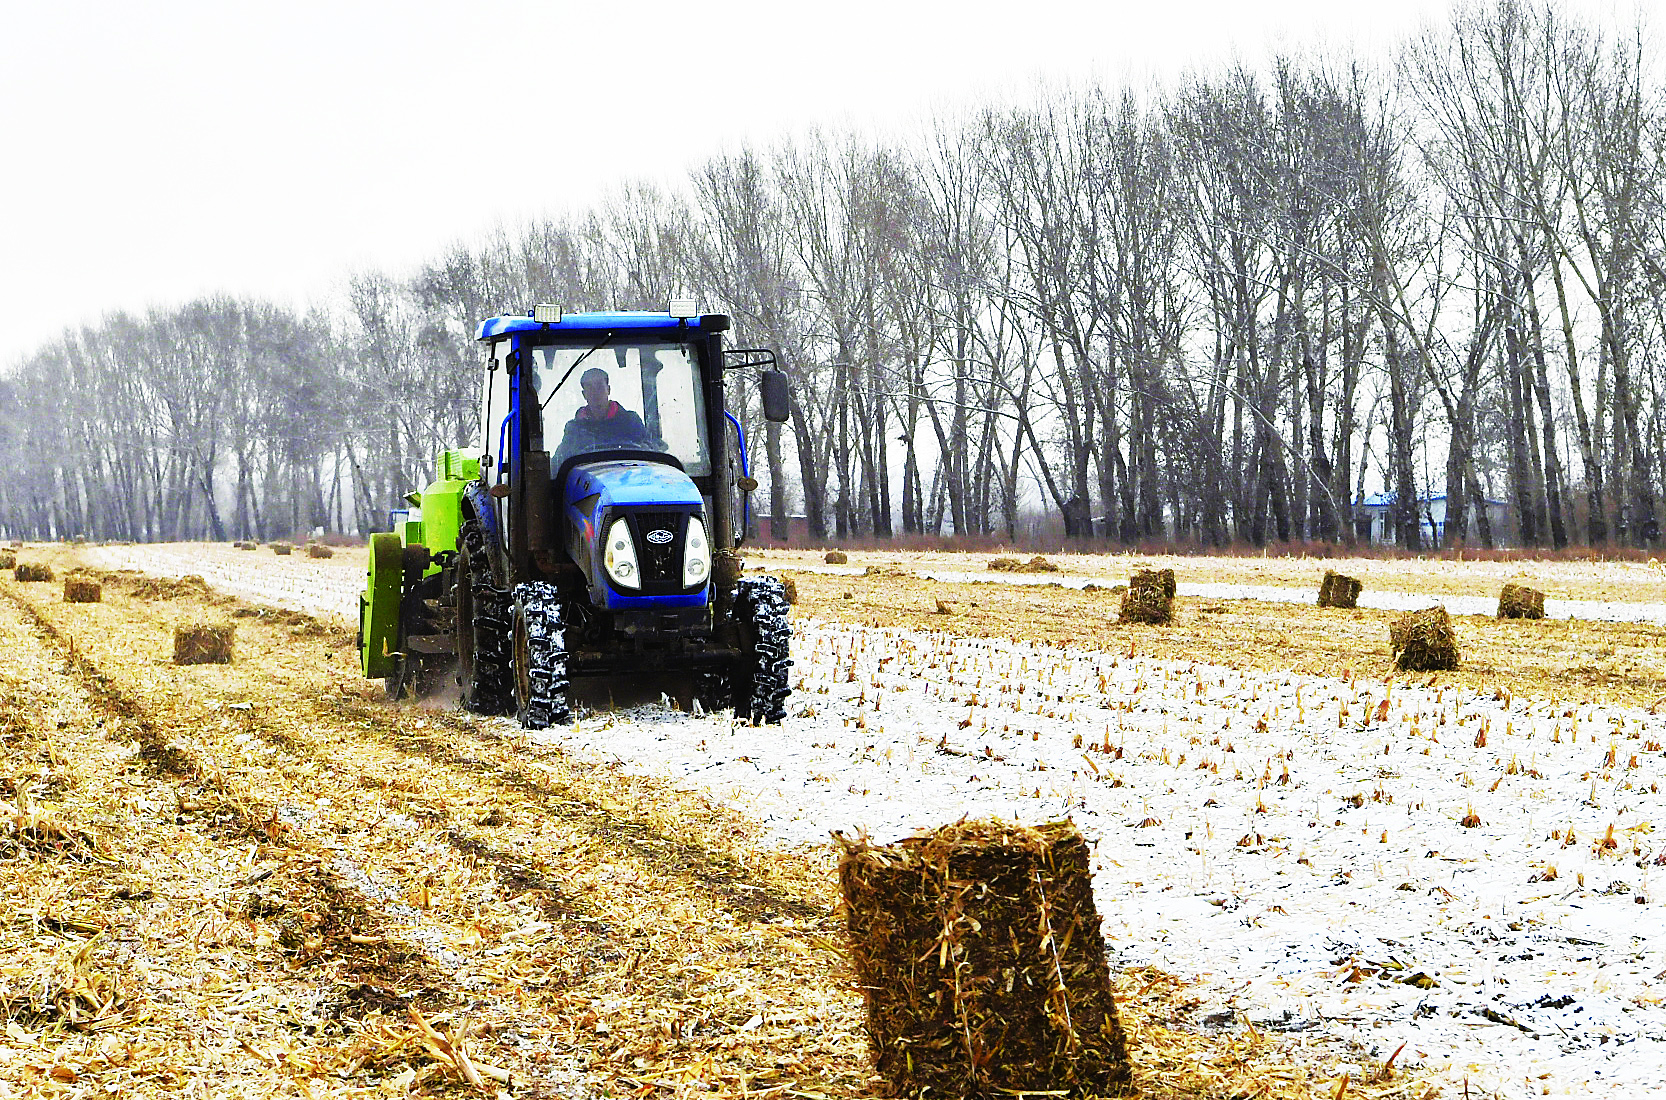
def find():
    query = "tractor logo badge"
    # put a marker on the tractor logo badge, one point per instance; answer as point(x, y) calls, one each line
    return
point(659, 536)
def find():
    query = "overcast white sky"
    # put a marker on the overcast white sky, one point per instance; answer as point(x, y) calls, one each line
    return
point(158, 151)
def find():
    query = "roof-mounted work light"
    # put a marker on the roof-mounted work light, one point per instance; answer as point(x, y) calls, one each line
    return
point(683, 308)
point(546, 314)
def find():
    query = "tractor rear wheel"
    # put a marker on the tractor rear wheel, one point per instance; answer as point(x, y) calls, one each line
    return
point(760, 684)
point(482, 626)
point(540, 656)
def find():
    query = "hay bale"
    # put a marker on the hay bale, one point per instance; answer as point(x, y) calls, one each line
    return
point(1337, 590)
point(791, 587)
point(319, 550)
point(82, 590)
point(1162, 579)
point(980, 958)
point(32, 571)
point(203, 644)
point(1149, 598)
point(8, 559)
point(282, 548)
point(1423, 641)
point(1037, 564)
point(835, 557)
point(1517, 601)
point(1004, 565)
point(246, 545)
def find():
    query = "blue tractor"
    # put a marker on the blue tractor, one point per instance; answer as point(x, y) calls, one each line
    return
point(593, 533)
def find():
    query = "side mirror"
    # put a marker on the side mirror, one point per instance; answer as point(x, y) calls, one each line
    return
point(777, 402)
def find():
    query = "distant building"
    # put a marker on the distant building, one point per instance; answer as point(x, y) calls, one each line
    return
point(1374, 521)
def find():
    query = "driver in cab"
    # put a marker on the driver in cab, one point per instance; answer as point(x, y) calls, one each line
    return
point(601, 423)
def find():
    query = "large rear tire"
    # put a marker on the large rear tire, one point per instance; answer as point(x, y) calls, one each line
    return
point(760, 684)
point(482, 627)
point(540, 656)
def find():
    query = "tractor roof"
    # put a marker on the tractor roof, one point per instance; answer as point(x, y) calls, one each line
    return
point(615, 319)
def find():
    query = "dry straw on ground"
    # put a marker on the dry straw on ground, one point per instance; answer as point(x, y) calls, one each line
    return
point(1517, 601)
point(1423, 641)
point(978, 950)
point(79, 589)
point(1150, 598)
point(32, 571)
point(1036, 564)
point(835, 557)
point(203, 644)
point(1341, 591)
point(319, 550)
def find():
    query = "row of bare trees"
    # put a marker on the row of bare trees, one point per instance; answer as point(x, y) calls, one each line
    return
point(1220, 311)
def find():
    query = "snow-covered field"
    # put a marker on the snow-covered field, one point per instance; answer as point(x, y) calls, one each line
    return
point(1477, 877)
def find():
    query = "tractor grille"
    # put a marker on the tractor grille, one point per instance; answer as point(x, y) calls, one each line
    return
point(659, 557)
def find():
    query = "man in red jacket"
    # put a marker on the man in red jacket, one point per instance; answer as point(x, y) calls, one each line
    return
point(601, 423)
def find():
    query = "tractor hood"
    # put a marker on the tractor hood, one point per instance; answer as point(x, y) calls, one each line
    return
point(630, 482)
point(657, 502)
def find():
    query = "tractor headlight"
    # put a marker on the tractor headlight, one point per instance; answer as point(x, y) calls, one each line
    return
point(619, 558)
point(697, 554)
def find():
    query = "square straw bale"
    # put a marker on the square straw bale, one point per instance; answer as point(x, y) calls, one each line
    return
point(982, 964)
point(203, 644)
point(1517, 601)
point(282, 548)
point(1423, 641)
point(835, 557)
point(8, 559)
point(82, 590)
point(1337, 590)
point(319, 550)
point(1149, 598)
point(245, 545)
point(32, 571)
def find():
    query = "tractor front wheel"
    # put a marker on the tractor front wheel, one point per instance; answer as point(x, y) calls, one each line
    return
point(540, 655)
point(760, 684)
point(482, 626)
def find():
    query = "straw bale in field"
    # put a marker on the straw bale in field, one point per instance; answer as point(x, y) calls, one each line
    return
point(245, 545)
point(1517, 601)
point(791, 587)
point(8, 559)
point(835, 557)
point(319, 550)
point(1423, 641)
point(1149, 598)
point(1337, 590)
point(32, 571)
point(82, 590)
point(1004, 565)
point(1037, 564)
point(283, 548)
point(979, 954)
point(203, 644)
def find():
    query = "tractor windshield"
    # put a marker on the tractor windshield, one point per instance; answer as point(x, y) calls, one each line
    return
point(632, 396)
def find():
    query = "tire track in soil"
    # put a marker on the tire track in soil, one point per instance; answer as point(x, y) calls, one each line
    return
point(391, 975)
point(737, 888)
point(349, 919)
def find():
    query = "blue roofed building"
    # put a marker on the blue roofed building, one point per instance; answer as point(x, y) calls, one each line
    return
point(1374, 521)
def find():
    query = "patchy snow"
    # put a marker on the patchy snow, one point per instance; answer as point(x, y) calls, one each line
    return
point(1362, 860)
point(1613, 611)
